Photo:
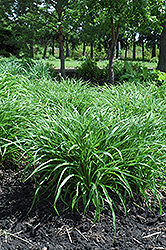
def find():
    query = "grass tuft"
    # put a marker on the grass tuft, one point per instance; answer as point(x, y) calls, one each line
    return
point(89, 144)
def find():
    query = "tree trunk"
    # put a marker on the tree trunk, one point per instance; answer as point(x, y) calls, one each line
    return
point(61, 44)
point(154, 49)
point(112, 52)
point(126, 51)
point(91, 50)
point(108, 51)
point(67, 47)
point(117, 50)
point(53, 46)
point(111, 62)
point(84, 48)
point(44, 54)
point(31, 48)
point(162, 56)
point(143, 50)
point(59, 53)
point(134, 49)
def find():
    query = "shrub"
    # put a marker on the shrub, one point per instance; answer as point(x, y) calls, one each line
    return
point(69, 59)
point(154, 60)
point(89, 69)
point(119, 69)
point(158, 76)
point(135, 72)
point(82, 58)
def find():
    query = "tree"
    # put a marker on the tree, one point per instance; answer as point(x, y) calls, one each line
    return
point(119, 15)
point(63, 15)
point(157, 9)
point(13, 12)
point(162, 57)
point(8, 42)
point(54, 15)
point(90, 27)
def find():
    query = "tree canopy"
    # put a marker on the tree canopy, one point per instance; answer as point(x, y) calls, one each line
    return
point(96, 21)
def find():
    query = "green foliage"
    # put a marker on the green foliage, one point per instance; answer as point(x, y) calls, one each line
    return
point(119, 70)
point(24, 67)
point(8, 43)
point(130, 72)
point(158, 76)
point(135, 72)
point(68, 59)
point(13, 101)
point(9, 110)
point(154, 60)
point(89, 69)
point(82, 58)
point(83, 143)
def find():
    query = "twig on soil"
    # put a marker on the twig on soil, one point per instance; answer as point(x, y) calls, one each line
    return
point(147, 236)
point(138, 206)
point(96, 244)
point(81, 234)
point(69, 235)
point(20, 238)
point(37, 225)
point(137, 240)
point(90, 220)
point(141, 217)
point(162, 248)
point(60, 229)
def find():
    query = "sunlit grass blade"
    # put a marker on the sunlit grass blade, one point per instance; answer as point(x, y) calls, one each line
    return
point(110, 202)
point(59, 190)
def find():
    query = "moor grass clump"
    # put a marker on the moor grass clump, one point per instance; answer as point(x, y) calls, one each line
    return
point(82, 142)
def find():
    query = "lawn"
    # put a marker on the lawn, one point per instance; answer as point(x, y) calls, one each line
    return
point(69, 63)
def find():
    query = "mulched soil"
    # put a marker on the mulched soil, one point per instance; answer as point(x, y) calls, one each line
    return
point(43, 229)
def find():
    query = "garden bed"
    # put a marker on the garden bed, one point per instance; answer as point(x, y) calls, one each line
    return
point(43, 229)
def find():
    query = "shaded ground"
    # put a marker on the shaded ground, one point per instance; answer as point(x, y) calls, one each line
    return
point(72, 73)
point(42, 229)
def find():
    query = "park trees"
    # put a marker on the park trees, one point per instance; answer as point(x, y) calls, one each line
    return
point(160, 11)
point(157, 16)
point(162, 56)
point(39, 17)
point(95, 20)
point(13, 12)
point(119, 15)
point(8, 42)
point(149, 35)
point(63, 15)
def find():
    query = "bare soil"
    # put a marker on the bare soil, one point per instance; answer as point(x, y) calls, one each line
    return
point(43, 229)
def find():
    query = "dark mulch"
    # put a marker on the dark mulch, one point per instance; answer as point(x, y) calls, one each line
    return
point(42, 229)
